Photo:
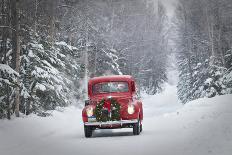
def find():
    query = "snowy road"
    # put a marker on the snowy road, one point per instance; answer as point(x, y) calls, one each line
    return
point(202, 127)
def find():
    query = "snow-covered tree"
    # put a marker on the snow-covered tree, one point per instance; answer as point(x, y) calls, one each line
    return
point(52, 69)
point(202, 40)
point(8, 83)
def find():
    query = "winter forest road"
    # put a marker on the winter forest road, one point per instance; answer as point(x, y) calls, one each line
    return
point(168, 129)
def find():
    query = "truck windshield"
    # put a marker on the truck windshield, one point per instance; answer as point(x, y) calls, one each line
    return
point(110, 87)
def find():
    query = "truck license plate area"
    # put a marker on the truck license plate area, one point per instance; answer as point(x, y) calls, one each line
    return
point(91, 119)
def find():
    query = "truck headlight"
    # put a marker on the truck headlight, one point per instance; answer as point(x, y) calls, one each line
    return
point(131, 109)
point(89, 111)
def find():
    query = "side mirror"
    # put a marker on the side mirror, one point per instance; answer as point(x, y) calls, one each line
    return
point(86, 102)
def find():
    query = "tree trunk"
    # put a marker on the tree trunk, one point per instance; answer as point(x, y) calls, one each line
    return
point(35, 16)
point(210, 29)
point(51, 21)
point(86, 65)
point(16, 49)
point(4, 32)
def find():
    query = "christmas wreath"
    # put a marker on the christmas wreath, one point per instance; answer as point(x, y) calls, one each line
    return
point(111, 110)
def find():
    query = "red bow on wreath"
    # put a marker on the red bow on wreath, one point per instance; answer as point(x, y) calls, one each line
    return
point(107, 105)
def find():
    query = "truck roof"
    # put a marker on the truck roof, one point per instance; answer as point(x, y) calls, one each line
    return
point(111, 78)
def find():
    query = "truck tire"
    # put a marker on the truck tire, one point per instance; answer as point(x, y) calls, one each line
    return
point(136, 128)
point(88, 131)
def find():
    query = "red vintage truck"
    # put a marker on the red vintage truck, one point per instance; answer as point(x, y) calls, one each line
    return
point(113, 103)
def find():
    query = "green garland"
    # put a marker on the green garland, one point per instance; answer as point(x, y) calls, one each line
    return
point(98, 112)
point(115, 111)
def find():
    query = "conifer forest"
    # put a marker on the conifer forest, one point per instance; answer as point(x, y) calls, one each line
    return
point(50, 48)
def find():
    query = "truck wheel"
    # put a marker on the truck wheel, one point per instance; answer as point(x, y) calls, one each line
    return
point(136, 128)
point(88, 131)
point(141, 128)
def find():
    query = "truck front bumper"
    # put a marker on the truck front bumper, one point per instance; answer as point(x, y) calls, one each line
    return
point(121, 122)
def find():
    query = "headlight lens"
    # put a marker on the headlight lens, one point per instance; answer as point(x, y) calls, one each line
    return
point(131, 109)
point(89, 111)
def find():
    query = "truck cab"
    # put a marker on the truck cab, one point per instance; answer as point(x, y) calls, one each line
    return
point(112, 104)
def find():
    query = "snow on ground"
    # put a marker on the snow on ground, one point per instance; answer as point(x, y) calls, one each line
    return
point(161, 103)
point(199, 128)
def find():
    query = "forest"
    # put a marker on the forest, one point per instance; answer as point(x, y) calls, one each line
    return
point(49, 49)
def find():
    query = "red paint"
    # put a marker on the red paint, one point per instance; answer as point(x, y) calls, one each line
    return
point(107, 105)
